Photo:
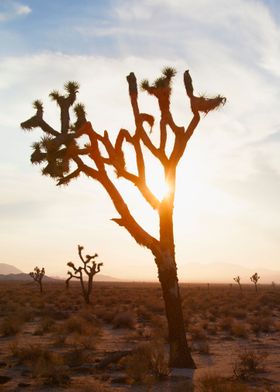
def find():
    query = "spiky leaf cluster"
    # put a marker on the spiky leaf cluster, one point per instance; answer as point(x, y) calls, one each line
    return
point(71, 87)
point(57, 148)
point(38, 105)
point(56, 154)
point(79, 110)
point(163, 82)
point(255, 278)
point(38, 274)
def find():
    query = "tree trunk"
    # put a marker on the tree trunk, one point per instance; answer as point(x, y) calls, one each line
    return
point(84, 291)
point(89, 288)
point(180, 356)
point(86, 297)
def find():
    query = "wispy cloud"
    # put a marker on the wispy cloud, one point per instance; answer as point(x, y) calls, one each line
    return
point(10, 10)
point(230, 48)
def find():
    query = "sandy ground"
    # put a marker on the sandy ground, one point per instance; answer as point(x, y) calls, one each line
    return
point(221, 358)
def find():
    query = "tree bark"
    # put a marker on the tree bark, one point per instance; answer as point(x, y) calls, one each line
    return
point(180, 356)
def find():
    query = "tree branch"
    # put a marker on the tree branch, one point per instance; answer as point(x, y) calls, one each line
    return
point(116, 159)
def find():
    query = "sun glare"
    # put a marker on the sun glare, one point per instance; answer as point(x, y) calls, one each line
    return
point(159, 187)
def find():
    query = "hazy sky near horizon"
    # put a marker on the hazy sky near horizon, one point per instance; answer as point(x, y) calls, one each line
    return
point(228, 191)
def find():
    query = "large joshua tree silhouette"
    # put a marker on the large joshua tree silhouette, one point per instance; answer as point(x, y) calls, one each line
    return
point(65, 161)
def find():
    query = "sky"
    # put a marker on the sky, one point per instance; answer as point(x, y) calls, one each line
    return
point(228, 190)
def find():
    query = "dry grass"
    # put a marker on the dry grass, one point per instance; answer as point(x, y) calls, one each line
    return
point(249, 362)
point(61, 335)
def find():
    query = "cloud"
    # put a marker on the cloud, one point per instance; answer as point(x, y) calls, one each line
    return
point(232, 155)
point(10, 10)
point(231, 135)
point(203, 36)
point(22, 9)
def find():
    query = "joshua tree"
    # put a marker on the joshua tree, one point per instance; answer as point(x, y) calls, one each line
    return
point(254, 279)
point(38, 275)
point(237, 280)
point(88, 270)
point(60, 148)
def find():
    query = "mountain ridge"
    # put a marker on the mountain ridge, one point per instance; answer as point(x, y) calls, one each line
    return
point(6, 269)
point(193, 273)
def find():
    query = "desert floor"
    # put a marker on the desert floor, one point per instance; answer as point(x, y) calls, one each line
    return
point(54, 341)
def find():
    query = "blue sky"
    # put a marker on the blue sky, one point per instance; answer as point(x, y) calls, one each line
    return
point(227, 206)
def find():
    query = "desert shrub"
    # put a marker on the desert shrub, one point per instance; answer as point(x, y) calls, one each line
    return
point(77, 332)
point(125, 319)
point(28, 353)
point(78, 325)
point(144, 332)
point(212, 382)
point(42, 363)
point(46, 325)
point(82, 341)
point(226, 323)
point(143, 313)
point(212, 317)
point(59, 338)
point(51, 369)
point(77, 357)
point(155, 305)
point(197, 332)
point(89, 316)
point(147, 363)
point(204, 322)
point(54, 312)
point(239, 329)
point(212, 329)
point(11, 325)
point(248, 363)
point(239, 313)
point(159, 326)
point(261, 324)
point(73, 325)
point(104, 314)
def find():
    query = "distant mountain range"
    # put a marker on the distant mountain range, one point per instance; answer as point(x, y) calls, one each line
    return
point(6, 269)
point(9, 272)
point(22, 277)
point(192, 273)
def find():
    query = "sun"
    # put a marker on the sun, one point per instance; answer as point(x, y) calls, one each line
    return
point(161, 189)
point(157, 184)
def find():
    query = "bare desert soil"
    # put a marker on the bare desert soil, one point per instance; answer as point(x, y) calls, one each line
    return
point(55, 342)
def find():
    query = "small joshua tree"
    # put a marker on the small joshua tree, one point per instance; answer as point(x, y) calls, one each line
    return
point(254, 279)
point(89, 269)
point(38, 275)
point(237, 280)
